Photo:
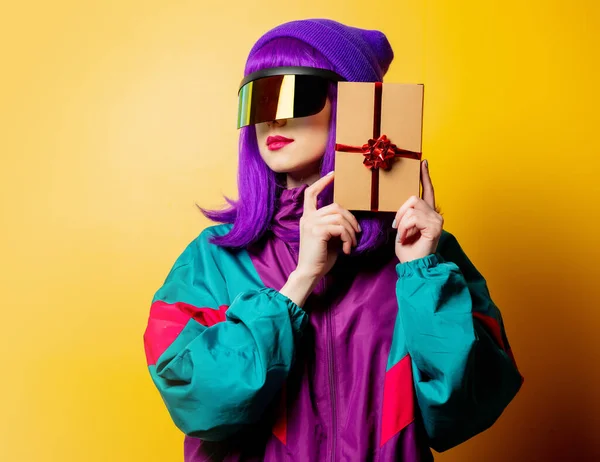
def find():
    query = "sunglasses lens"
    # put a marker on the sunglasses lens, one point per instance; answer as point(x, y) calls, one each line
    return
point(281, 97)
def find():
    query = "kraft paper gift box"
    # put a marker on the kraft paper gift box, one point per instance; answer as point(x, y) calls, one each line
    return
point(378, 145)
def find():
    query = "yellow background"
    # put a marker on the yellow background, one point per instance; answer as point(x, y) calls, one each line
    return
point(117, 116)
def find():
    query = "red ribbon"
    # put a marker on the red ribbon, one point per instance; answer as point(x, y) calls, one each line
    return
point(379, 151)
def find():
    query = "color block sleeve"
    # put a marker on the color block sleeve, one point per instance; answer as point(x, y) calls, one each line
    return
point(217, 366)
point(464, 372)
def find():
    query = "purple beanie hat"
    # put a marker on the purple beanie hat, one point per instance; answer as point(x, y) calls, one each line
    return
point(358, 55)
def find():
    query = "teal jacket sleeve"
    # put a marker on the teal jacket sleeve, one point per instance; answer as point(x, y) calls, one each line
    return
point(217, 365)
point(463, 369)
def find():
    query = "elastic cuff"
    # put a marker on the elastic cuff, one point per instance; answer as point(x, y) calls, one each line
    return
point(416, 266)
point(298, 316)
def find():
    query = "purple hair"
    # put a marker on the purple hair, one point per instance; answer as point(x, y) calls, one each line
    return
point(259, 187)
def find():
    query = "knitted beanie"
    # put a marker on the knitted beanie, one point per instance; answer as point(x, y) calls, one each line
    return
point(358, 55)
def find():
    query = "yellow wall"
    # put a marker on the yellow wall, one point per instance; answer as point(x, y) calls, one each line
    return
point(116, 116)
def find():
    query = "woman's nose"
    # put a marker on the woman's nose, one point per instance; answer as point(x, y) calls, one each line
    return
point(278, 122)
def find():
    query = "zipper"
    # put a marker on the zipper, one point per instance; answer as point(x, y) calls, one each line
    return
point(331, 361)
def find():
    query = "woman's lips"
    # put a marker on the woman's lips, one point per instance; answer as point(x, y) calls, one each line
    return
point(277, 142)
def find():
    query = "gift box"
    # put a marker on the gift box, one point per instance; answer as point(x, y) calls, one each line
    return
point(378, 145)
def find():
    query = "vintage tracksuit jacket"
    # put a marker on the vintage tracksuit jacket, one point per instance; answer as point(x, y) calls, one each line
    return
point(385, 360)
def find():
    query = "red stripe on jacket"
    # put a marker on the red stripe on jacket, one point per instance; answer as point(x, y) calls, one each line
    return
point(167, 320)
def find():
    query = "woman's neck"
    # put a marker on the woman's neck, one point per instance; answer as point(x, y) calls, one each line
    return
point(308, 176)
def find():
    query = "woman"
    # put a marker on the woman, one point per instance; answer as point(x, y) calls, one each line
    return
point(296, 330)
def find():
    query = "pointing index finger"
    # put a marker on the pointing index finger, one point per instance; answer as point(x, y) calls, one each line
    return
point(428, 195)
point(312, 192)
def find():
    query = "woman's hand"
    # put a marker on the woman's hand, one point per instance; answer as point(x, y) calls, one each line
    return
point(419, 225)
point(321, 231)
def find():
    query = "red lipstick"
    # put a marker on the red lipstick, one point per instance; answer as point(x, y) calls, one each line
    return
point(277, 142)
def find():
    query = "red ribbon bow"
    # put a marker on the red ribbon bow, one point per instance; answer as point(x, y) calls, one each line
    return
point(379, 153)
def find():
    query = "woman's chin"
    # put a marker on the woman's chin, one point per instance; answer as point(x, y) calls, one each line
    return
point(296, 170)
point(287, 167)
point(287, 162)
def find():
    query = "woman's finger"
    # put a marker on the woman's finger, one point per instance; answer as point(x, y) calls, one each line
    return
point(312, 192)
point(409, 203)
point(411, 232)
point(336, 208)
point(419, 221)
point(428, 194)
point(405, 224)
point(414, 218)
point(338, 219)
point(326, 232)
point(413, 202)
